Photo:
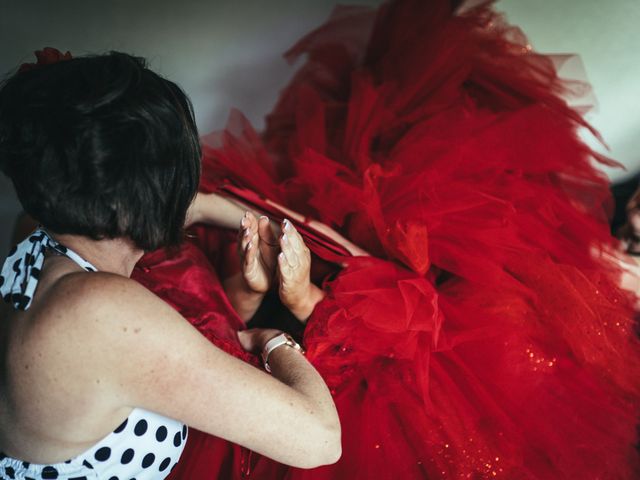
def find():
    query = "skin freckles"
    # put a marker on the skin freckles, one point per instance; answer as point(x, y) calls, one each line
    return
point(135, 350)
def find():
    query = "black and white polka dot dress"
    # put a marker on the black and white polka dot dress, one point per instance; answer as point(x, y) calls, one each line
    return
point(145, 446)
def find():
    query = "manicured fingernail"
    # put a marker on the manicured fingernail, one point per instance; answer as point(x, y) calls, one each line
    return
point(265, 217)
point(246, 232)
point(243, 222)
point(285, 239)
point(287, 224)
point(281, 256)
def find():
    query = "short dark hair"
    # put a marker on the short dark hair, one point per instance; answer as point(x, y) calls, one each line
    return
point(101, 146)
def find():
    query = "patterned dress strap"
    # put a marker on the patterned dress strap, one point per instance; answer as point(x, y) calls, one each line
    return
point(21, 269)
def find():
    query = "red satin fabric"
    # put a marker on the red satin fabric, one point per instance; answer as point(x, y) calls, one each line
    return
point(483, 339)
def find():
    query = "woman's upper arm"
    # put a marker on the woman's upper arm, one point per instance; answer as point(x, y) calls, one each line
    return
point(162, 363)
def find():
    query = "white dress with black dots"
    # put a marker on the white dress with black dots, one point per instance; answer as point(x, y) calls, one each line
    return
point(146, 446)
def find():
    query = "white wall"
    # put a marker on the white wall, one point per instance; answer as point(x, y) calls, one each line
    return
point(606, 35)
point(224, 53)
point(227, 53)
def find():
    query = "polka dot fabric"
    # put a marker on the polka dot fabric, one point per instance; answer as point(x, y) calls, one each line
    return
point(146, 446)
point(21, 270)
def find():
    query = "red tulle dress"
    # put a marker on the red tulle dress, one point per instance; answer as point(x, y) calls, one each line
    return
point(485, 337)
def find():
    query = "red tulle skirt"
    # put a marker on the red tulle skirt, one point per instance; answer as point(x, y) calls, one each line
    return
point(485, 337)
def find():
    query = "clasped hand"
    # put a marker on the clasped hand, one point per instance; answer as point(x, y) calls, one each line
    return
point(266, 259)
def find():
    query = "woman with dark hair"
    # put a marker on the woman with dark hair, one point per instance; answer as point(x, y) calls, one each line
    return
point(99, 377)
point(486, 335)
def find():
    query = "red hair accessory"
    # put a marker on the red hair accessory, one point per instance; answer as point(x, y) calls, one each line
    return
point(46, 56)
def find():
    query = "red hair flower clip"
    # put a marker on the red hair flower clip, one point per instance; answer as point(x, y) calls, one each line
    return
point(46, 56)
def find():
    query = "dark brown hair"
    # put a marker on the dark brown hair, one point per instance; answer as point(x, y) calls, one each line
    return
point(101, 146)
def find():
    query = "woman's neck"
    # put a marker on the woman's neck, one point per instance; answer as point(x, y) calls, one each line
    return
point(114, 255)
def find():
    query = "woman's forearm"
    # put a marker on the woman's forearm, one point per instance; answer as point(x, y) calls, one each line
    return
point(304, 309)
point(292, 369)
point(214, 209)
point(244, 300)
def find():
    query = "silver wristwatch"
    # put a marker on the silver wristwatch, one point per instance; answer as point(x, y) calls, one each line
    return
point(284, 339)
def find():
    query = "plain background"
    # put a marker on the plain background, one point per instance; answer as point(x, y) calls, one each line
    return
point(228, 53)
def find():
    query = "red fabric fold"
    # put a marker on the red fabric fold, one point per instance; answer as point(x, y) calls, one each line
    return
point(483, 339)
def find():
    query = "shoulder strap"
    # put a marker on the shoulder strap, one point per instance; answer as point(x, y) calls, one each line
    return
point(21, 270)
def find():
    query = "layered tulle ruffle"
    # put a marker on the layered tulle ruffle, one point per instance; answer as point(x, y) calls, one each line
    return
point(485, 337)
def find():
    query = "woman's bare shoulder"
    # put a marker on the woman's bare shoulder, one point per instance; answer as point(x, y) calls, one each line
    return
point(94, 292)
point(68, 347)
point(88, 310)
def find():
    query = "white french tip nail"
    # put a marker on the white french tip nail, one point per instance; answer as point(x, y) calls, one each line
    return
point(287, 224)
point(264, 216)
point(281, 256)
point(285, 239)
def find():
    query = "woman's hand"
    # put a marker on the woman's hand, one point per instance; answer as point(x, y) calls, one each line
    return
point(296, 291)
point(257, 249)
point(322, 228)
point(254, 339)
